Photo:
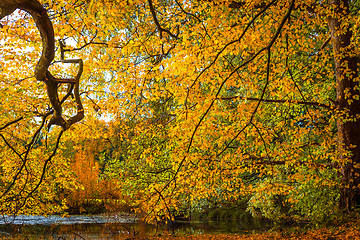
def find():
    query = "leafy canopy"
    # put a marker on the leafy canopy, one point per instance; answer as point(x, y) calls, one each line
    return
point(203, 101)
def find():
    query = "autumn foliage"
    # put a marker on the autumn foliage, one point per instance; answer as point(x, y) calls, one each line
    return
point(189, 105)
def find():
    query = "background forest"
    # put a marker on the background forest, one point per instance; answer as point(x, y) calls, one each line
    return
point(189, 106)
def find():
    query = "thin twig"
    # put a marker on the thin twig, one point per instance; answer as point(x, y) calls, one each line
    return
point(44, 169)
point(10, 123)
point(277, 101)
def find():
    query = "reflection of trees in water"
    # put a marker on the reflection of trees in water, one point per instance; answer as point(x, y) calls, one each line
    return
point(109, 226)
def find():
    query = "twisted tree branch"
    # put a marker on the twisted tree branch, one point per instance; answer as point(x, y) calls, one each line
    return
point(44, 25)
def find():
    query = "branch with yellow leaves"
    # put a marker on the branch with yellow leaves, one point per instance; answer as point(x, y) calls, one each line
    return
point(276, 101)
point(267, 50)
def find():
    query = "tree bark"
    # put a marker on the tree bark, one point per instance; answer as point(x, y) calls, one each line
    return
point(7, 7)
point(348, 108)
point(45, 27)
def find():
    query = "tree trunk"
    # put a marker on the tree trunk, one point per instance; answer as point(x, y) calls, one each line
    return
point(348, 104)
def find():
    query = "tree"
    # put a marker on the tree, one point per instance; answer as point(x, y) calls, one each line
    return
point(347, 100)
point(26, 157)
point(258, 90)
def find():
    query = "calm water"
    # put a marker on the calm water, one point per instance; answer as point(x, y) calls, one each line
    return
point(111, 226)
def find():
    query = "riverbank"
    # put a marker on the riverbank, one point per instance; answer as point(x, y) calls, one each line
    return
point(348, 231)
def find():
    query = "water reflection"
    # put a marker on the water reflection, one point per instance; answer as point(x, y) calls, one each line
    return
point(103, 226)
point(69, 231)
point(67, 220)
point(112, 226)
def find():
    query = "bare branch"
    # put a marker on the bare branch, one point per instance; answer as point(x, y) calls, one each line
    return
point(10, 123)
point(11, 147)
point(161, 29)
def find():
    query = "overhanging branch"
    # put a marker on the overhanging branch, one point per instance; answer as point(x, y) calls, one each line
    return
point(277, 101)
point(44, 25)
